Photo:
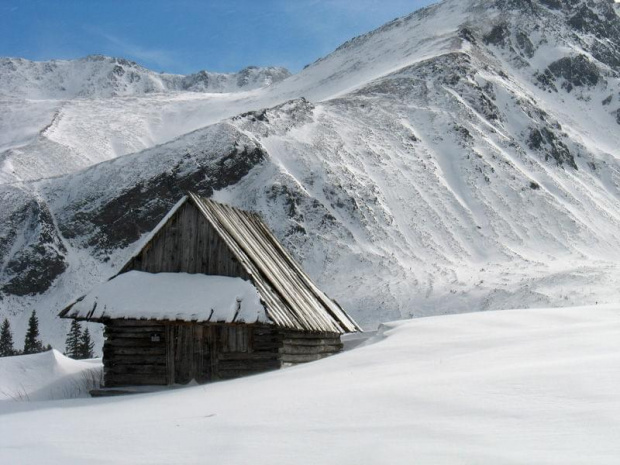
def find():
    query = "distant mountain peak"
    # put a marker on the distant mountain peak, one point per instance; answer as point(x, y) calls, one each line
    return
point(104, 76)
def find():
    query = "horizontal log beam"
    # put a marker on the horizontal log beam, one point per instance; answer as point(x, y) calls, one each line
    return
point(248, 366)
point(155, 370)
point(268, 338)
point(114, 380)
point(247, 355)
point(287, 358)
point(302, 350)
point(265, 330)
point(133, 342)
point(133, 334)
point(313, 342)
point(265, 347)
point(109, 351)
point(136, 359)
point(303, 335)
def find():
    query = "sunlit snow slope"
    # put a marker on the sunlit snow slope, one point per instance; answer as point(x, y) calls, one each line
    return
point(63, 115)
point(461, 158)
point(512, 387)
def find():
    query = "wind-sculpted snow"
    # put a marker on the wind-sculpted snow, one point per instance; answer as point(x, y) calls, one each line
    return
point(449, 161)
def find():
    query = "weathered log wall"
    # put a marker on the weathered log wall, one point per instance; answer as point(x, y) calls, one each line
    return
point(301, 347)
point(245, 350)
point(130, 357)
point(204, 352)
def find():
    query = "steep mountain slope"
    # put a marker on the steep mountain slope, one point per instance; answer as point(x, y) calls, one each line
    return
point(462, 158)
point(64, 115)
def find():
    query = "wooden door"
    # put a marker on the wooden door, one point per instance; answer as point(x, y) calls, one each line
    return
point(188, 357)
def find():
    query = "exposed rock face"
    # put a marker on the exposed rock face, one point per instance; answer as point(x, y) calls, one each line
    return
point(546, 141)
point(33, 253)
point(575, 71)
point(124, 219)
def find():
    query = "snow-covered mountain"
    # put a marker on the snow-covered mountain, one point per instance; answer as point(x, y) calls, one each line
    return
point(465, 157)
point(64, 115)
point(101, 76)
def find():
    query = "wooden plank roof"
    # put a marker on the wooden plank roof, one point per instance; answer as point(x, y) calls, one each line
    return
point(291, 299)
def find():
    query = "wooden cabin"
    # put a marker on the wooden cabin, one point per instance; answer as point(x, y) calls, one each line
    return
point(210, 295)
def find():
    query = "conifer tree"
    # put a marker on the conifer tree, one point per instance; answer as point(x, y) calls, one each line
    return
point(86, 345)
point(72, 342)
point(6, 339)
point(32, 344)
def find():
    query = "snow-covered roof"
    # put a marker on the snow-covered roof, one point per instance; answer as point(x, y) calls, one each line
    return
point(292, 299)
point(172, 297)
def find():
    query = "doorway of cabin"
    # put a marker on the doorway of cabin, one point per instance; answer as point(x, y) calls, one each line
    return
point(188, 355)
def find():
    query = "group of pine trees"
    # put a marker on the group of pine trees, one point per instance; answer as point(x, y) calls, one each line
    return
point(78, 343)
point(32, 343)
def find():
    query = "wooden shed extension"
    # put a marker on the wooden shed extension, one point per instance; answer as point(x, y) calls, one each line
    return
point(202, 237)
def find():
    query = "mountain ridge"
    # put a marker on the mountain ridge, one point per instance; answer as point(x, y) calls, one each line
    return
point(104, 77)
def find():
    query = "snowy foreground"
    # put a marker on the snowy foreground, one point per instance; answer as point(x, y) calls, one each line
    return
point(522, 386)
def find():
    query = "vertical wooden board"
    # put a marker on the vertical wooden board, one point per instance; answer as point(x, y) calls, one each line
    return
point(172, 253)
point(170, 354)
point(242, 342)
point(211, 249)
point(187, 251)
point(155, 253)
point(222, 339)
point(200, 247)
point(198, 356)
point(212, 347)
point(191, 241)
point(250, 339)
point(207, 250)
point(232, 339)
point(179, 250)
point(180, 358)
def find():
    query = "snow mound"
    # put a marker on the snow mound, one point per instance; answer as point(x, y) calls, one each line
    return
point(46, 376)
point(519, 387)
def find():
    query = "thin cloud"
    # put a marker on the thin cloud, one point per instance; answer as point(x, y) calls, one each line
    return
point(149, 56)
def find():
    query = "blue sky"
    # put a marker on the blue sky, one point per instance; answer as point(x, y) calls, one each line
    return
point(185, 36)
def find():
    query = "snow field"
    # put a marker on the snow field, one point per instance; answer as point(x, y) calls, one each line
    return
point(509, 387)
